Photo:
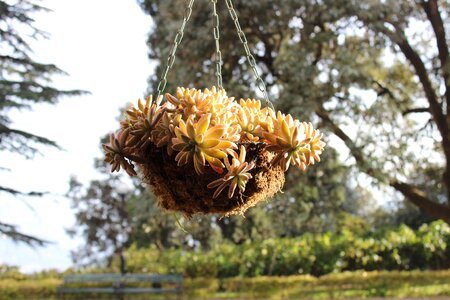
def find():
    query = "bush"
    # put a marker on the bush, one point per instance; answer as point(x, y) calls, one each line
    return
point(317, 254)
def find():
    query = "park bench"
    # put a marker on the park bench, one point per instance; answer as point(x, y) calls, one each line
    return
point(121, 284)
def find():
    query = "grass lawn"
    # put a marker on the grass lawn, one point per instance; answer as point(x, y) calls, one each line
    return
point(334, 286)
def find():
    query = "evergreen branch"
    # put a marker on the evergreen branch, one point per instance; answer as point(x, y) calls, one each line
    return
point(17, 236)
point(18, 141)
point(6, 103)
point(37, 67)
point(6, 131)
point(16, 192)
point(33, 91)
point(23, 83)
point(18, 44)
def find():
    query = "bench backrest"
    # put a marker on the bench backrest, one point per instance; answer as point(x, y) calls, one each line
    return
point(154, 278)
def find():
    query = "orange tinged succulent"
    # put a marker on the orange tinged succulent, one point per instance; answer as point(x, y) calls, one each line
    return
point(142, 120)
point(293, 142)
point(237, 177)
point(201, 143)
point(117, 153)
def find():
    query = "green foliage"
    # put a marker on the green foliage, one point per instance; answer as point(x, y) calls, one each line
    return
point(395, 249)
point(10, 272)
point(353, 66)
point(29, 289)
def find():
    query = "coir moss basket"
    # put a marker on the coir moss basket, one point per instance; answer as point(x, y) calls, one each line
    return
point(204, 152)
point(182, 189)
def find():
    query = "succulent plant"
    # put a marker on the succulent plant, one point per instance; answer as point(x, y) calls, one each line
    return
point(238, 174)
point(143, 119)
point(204, 127)
point(316, 145)
point(201, 143)
point(117, 153)
point(165, 130)
point(289, 141)
point(251, 119)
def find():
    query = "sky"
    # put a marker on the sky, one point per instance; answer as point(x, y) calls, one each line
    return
point(101, 44)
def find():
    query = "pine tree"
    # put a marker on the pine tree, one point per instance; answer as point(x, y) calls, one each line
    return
point(24, 82)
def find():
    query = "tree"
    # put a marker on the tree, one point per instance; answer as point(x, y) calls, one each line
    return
point(23, 83)
point(102, 217)
point(150, 225)
point(110, 216)
point(375, 73)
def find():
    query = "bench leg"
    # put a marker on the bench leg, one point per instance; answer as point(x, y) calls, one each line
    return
point(179, 292)
point(120, 296)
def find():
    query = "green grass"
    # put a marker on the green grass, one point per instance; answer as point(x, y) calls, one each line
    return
point(332, 286)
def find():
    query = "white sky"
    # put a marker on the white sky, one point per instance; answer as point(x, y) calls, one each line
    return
point(102, 45)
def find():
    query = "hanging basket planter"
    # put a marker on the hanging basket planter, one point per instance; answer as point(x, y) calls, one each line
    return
point(205, 152)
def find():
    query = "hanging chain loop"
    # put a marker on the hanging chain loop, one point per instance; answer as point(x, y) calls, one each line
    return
point(216, 39)
point(177, 40)
point(179, 37)
point(250, 58)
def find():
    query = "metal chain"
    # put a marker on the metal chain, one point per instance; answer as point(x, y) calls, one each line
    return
point(177, 40)
point(216, 38)
point(251, 60)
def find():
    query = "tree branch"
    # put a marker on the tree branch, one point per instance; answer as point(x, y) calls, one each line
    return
point(418, 198)
point(383, 90)
point(422, 73)
point(413, 194)
point(11, 232)
point(16, 192)
point(435, 107)
point(416, 110)
point(433, 15)
point(354, 149)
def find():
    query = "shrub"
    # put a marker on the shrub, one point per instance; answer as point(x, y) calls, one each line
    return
point(317, 254)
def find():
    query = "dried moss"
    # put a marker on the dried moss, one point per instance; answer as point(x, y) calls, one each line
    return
point(182, 189)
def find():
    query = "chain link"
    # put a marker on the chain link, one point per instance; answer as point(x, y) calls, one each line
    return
point(179, 37)
point(177, 40)
point(216, 39)
point(250, 58)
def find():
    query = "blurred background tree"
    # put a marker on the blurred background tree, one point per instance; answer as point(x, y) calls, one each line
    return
point(24, 83)
point(102, 219)
point(374, 73)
